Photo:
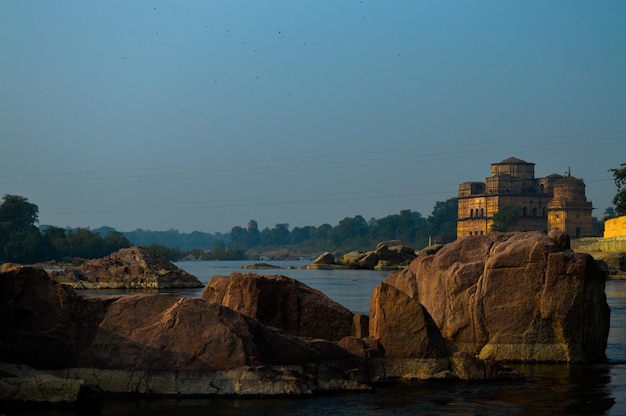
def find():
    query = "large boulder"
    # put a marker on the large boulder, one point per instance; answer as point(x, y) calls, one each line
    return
point(128, 268)
point(162, 333)
point(43, 323)
point(157, 344)
point(410, 338)
point(513, 297)
point(154, 344)
point(412, 345)
point(281, 302)
point(394, 252)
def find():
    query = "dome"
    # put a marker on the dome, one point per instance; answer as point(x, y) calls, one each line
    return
point(512, 160)
point(570, 181)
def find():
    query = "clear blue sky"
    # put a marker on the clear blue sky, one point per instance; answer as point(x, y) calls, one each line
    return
point(202, 115)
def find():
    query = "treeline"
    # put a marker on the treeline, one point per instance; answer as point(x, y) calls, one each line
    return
point(352, 233)
point(21, 241)
point(171, 238)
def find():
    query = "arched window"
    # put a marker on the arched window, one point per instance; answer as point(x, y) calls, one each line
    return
point(524, 212)
point(482, 212)
point(472, 213)
point(534, 211)
point(481, 233)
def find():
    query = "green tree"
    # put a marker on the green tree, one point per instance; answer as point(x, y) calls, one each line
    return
point(169, 253)
point(25, 246)
point(238, 238)
point(506, 217)
point(350, 231)
point(442, 221)
point(114, 241)
point(56, 243)
point(85, 244)
point(17, 214)
point(406, 226)
point(277, 236)
point(619, 176)
point(18, 217)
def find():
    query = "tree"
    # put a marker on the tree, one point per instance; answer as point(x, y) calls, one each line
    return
point(442, 221)
point(114, 241)
point(507, 216)
point(25, 246)
point(279, 235)
point(17, 214)
point(349, 231)
point(85, 244)
point(238, 238)
point(56, 242)
point(17, 221)
point(406, 226)
point(619, 175)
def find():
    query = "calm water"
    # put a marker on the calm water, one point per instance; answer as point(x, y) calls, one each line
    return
point(548, 389)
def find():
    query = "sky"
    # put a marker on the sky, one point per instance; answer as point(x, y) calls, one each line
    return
point(203, 115)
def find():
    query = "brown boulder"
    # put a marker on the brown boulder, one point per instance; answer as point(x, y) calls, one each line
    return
point(281, 302)
point(160, 333)
point(128, 268)
point(325, 258)
point(394, 252)
point(403, 326)
point(42, 323)
point(514, 296)
point(158, 344)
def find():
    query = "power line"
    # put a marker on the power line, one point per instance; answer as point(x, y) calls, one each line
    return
point(310, 163)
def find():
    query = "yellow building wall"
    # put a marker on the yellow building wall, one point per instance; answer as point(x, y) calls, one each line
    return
point(615, 227)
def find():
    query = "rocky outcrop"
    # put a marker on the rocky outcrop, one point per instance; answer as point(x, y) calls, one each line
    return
point(513, 297)
point(324, 261)
point(159, 344)
point(20, 383)
point(414, 347)
point(388, 255)
point(454, 313)
point(283, 303)
point(128, 268)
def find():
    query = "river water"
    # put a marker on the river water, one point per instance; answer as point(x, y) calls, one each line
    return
point(550, 389)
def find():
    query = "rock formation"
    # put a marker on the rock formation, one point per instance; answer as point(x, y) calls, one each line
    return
point(158, 344)
point(513, 297)
point(281, 302)
point(388, 255)
point(454, 313)
point(128, 268)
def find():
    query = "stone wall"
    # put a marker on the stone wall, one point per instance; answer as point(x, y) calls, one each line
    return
point(615, 227)
point(600, 245)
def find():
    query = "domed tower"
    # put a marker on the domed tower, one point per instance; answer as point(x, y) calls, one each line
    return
point(569, 209)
